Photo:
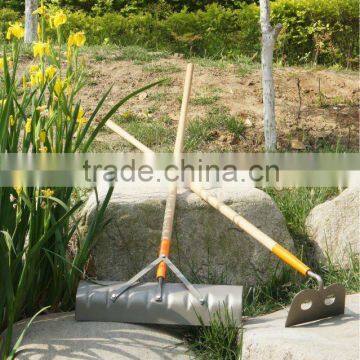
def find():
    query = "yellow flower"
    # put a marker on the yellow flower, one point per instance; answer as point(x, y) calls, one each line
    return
point(39, 30)
point(28, 125)
point(18, 189)
point(47, 192)
point(59, 86)
point(59, 19)
point(33, 80)
point(43, 149)
point(81, 121)
point(11, 120)
point(78, 39)
point(40, 78)
point(40, 49)
point(40, 10)
point(50, 72)
point(15, 30)
point(33, 69)
point(81, 112)
point(1, 64)
point(42, 136)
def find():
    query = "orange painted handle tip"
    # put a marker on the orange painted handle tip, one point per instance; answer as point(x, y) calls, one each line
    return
point(290, 259)
point(165, 251)
point(165, 247)
point(161, 271)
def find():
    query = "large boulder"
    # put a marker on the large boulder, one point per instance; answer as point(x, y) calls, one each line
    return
point(266, 337)
point(60, 337)
point(334, 227)
point(206, 246)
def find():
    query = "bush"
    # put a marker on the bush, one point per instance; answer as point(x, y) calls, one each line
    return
point(128, 6)
point(317, 31)
point(320, 31)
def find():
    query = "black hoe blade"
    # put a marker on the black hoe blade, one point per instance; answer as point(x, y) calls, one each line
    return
point(309, 305)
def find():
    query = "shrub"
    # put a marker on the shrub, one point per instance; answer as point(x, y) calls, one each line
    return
point(316, 31)
point(320, 31)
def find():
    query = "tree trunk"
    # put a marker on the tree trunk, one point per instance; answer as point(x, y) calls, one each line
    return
point(31, 21)
point(269, 36)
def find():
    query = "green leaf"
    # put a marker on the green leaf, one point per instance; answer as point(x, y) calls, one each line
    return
point(8, 240)
point(14, 350)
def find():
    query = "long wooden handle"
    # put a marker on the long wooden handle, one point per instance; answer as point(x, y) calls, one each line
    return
point(171, 199)
point(251, 229)
point(233, 216)
point(125, 135)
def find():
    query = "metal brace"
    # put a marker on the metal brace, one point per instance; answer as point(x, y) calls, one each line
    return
point(133, 281)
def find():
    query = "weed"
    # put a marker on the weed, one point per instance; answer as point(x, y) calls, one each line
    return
point(139, 55)
point(158, 96)
point(222, 340)
point(201, 131)
point(148, 131)
point(205, 100)
point(242, 65)
point(295, 205)
point(167, 68)
point(235, 126)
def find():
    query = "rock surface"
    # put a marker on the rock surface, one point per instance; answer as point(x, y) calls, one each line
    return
point(266, 337)
point(206, 246)
point(334, 227)
point(60, 337)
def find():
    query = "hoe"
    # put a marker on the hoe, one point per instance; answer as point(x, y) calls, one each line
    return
point(184, 303)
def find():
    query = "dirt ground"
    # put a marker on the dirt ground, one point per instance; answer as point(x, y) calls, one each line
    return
point(316, 109)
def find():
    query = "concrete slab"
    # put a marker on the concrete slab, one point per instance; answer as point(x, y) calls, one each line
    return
point(60, 337)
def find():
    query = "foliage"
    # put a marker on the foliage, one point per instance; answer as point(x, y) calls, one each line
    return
point(221, 340)
point(316, 31)
point(321, 31)
point(40, 113)
point(130, 6)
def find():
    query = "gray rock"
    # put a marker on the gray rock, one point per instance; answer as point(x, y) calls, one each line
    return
point(60, 337)
point(206, 247)
point(265, 337)
point(335, 229)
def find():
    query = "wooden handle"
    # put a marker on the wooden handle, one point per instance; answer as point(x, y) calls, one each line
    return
point(233, 216)
point(125, 135)
point(252, 230)
point(171, 199)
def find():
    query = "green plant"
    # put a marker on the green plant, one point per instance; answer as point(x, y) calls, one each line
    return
point(295, 205)
point(222, 340)
point(202, 131)
point(315, 32)
point(40, 113)
point(166, 68)
point(151, 133)
point(205, 99)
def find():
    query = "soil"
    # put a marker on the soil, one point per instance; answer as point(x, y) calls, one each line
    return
point(327, 116)
point(316, 109)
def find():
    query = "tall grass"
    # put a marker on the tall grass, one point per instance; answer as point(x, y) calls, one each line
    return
point(40, 113)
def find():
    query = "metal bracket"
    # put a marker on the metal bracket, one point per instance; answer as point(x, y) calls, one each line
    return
point(133, 281)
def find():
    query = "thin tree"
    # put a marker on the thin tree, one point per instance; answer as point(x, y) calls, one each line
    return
point(269, 36)
point(31, 21)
